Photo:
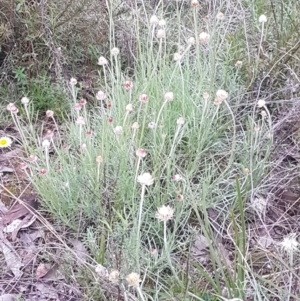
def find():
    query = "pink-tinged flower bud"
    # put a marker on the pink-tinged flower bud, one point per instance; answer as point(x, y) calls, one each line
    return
point(15, 110)
point(49, 113)
point(180, 197)
point(77, 107)
point(194, 3)
point(49, 134)
point(128, 85)
point(82, 102)
point(238, 64)
point(141, 153)
point(43, 171)
point(177, 178)
point(23, 166)
point(135, 126)
point(32, 158)
point(80, 120)
point(153, 251)
point(143, 98)
point(11, 106)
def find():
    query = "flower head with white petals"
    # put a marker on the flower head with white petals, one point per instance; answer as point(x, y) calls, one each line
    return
point(204, 37)
point(5, 142)
point(133, 279)
point(115, 51)
point(145, 179)
point(73, 81)
point(25, 100)
point(261, 103)
point(164, 213)
point(118, 130)
point(143, 98)
point(100, 95)
point(114, 276)
point(49, 114)
point(169, 96)
point(129, 107)
point(191, 41)
point(162, 23)
point(180, 121)
point(102, 61)
point(161, 34)
point(141, 153)
point(154, 20)
point(220, 96)
point(289, 243)
point(262, 19)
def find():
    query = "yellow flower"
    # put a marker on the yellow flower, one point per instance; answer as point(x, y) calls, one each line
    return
point(5, 142)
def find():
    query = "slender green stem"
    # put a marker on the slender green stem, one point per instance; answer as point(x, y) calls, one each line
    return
point(138, 236)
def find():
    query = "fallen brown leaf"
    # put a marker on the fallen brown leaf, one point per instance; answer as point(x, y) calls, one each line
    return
point(79, 249)
point(9, 155)
point(47, 292)
point(42, 270)
point(12, 258)
point(6, 169)
point(28, 220)
point(8, 297)
point(54, 274)
point(20, 210)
